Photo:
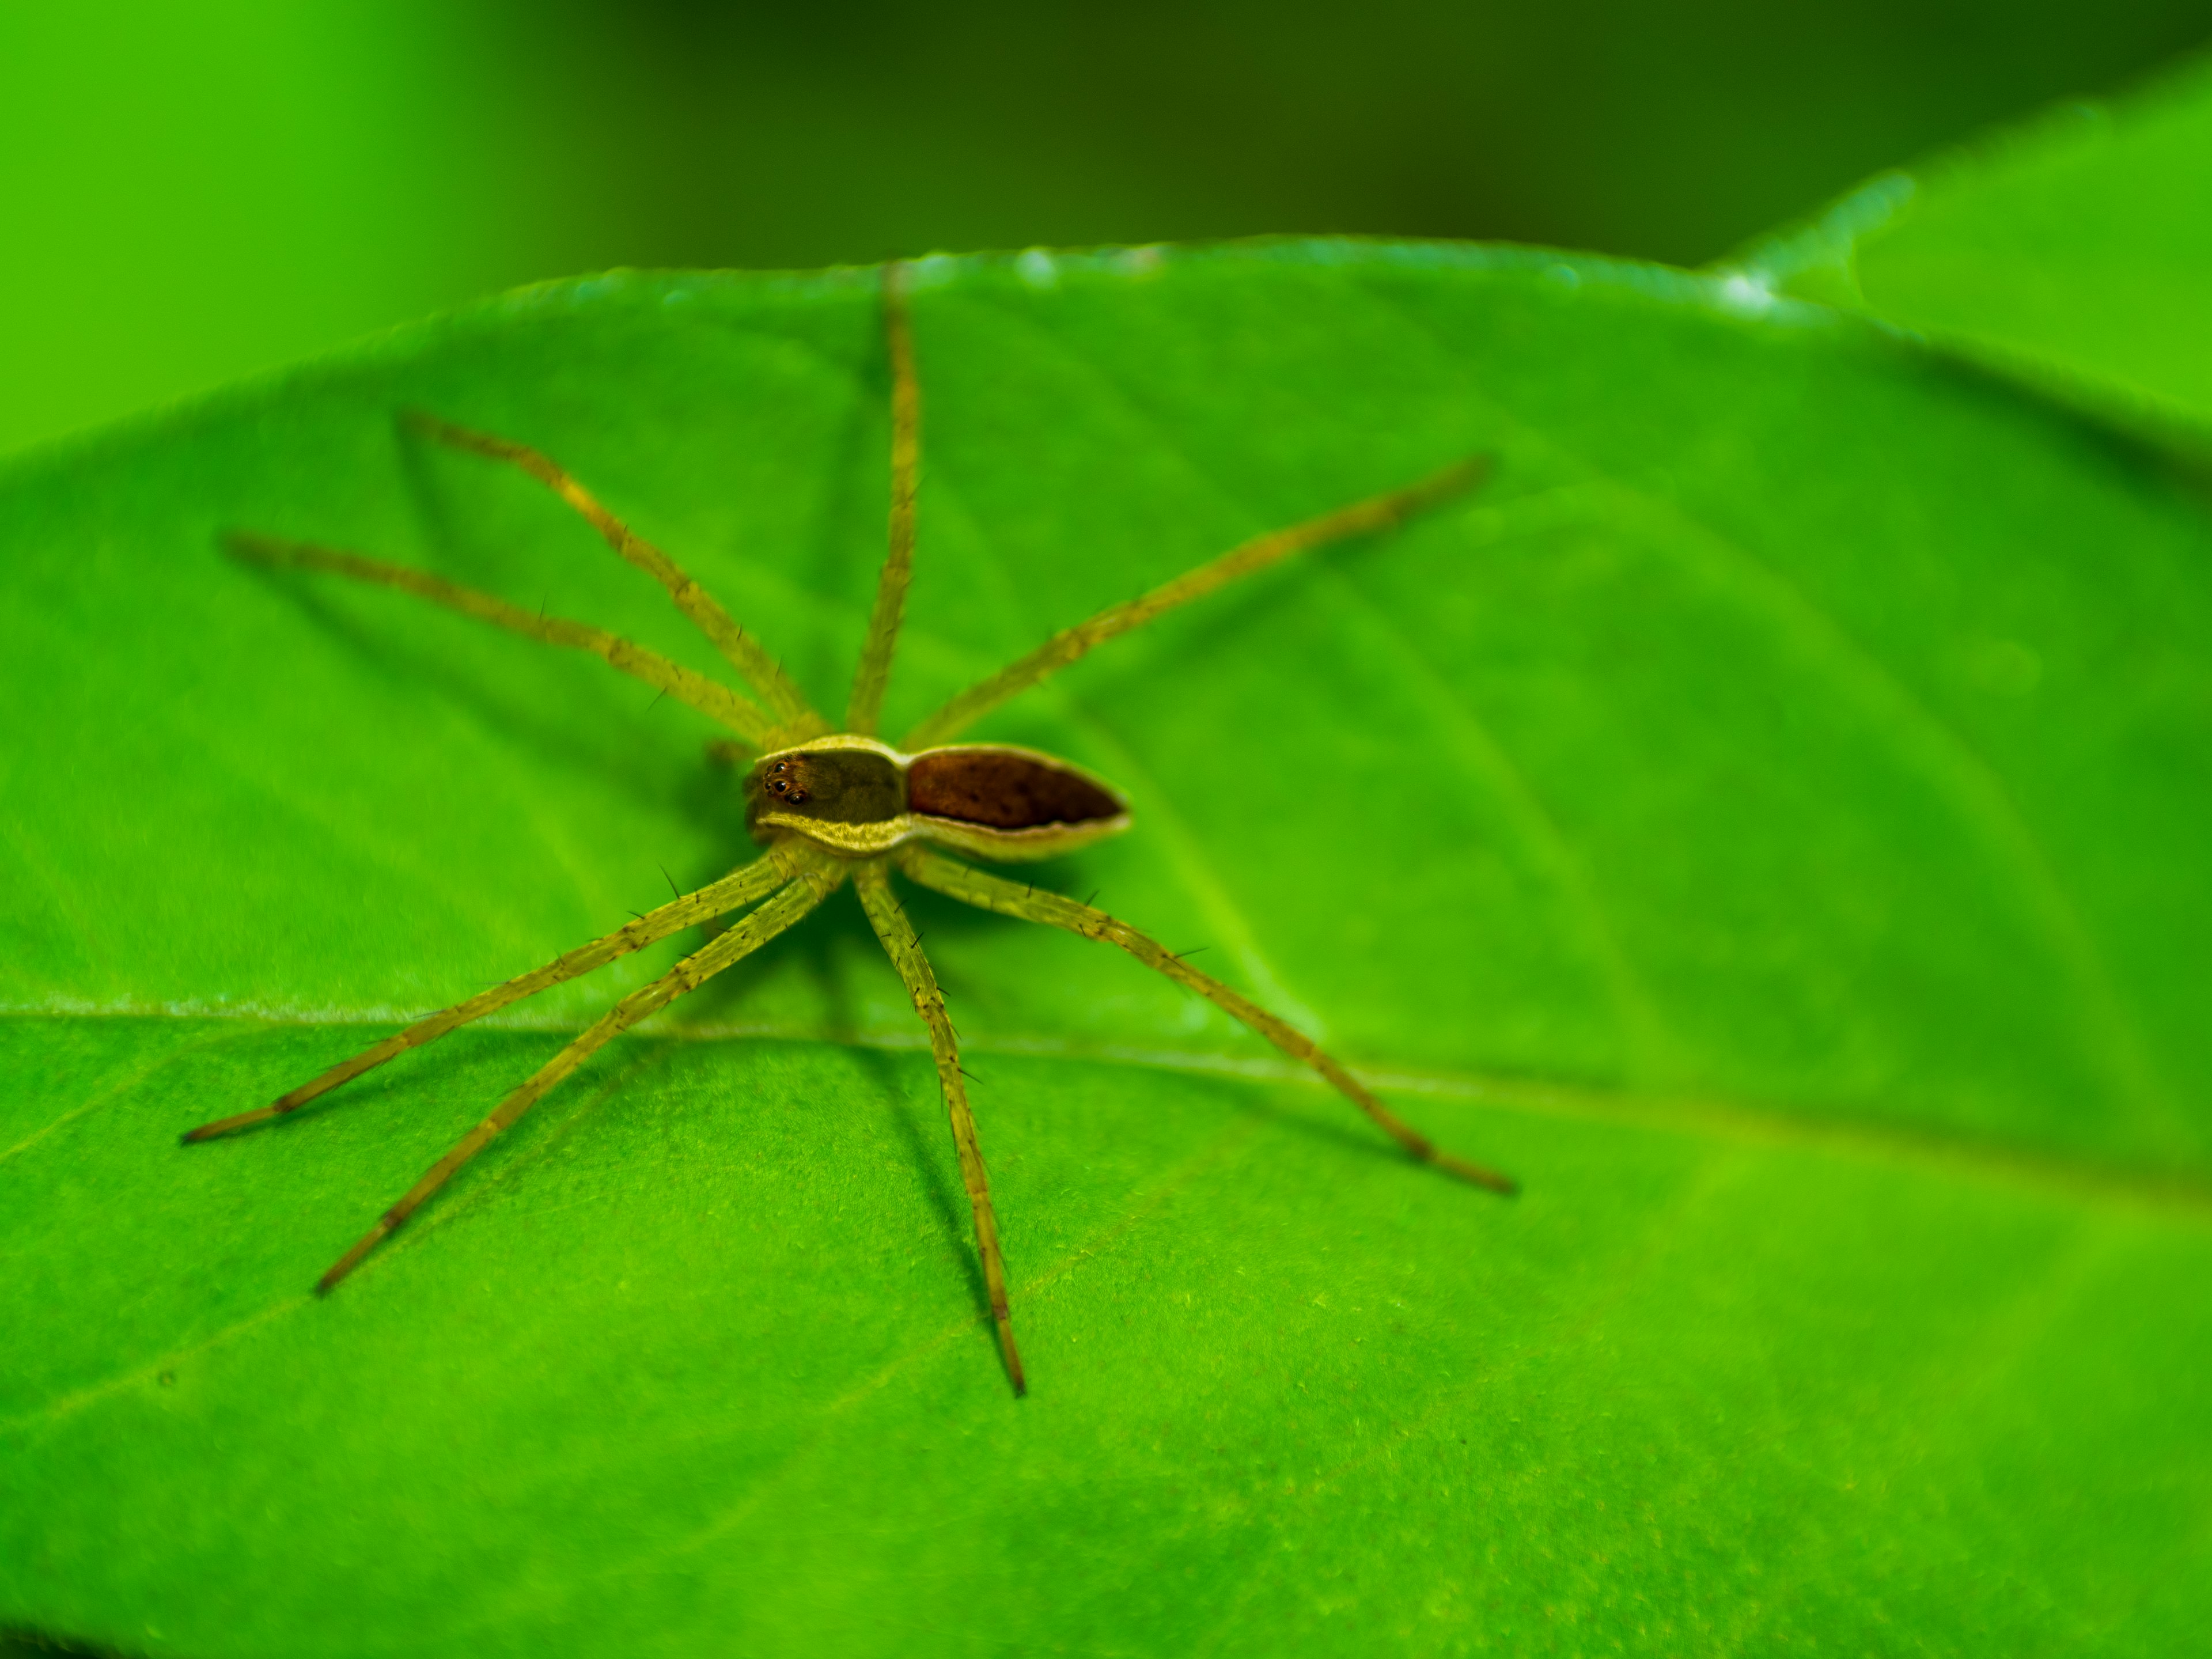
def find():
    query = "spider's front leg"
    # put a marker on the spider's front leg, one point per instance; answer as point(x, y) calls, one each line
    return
point(901, 944)
point(815, 881)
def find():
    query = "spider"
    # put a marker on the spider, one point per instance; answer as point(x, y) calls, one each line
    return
point(836, 806)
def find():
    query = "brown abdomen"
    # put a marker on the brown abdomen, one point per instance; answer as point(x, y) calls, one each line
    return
point(1003, 790)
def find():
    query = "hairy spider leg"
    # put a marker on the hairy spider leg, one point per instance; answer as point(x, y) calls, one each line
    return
point(1377, 512)
point(815, 881)
point(795, 718)
point(710, 697)
point(865, 711)
point(740, 888)
point(904, 948)
point(1010, 898)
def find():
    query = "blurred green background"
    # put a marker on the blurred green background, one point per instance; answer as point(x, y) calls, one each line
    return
point(195, 191)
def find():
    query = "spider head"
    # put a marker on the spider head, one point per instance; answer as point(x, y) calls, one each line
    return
point(837, 781)
point(785, 778)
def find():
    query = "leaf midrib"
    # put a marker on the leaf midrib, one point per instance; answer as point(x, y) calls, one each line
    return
point(1937, 1148)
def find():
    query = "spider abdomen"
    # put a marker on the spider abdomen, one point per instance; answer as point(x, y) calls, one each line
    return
point(1003, 788)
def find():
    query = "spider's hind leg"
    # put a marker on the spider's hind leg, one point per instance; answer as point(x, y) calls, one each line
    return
point(1010, 898)
point(904, 948)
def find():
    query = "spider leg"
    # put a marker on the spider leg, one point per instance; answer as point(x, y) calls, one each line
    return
point(904, 950)
point(740, 887)
point(814, 883)
point(1010, 898)
point(761, 671)
point(863, 712)
point(725, 751)
point(709, 697)
point(1377, 512)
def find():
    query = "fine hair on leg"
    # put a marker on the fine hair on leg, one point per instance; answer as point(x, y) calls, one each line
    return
point(794, 718)
point(1010, 898)
point(733, 891)
point(813, 884)
point(865, 711)
point(710, 697)
point(1377, 512)
point(904, 948)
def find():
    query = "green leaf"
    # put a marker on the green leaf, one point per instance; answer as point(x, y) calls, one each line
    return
point(1769, 819)
point(2074, 253)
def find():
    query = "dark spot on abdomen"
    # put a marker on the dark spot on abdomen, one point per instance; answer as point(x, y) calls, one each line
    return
point(1005, 792)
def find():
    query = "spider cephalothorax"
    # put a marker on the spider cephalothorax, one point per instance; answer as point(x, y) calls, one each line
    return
point(844, 806)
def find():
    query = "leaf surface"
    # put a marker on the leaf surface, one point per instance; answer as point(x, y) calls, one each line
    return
point(1768, 819)
point(2073, 252)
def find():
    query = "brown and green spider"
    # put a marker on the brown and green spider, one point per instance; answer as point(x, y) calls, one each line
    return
point(834, 806)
